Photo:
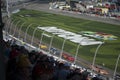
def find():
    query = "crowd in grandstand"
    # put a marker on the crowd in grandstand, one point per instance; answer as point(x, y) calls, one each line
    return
point(22, 64)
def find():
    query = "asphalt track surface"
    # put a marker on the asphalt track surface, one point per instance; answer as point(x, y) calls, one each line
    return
point(45, 7)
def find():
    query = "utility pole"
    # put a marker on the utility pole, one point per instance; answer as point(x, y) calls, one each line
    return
point(2, 46)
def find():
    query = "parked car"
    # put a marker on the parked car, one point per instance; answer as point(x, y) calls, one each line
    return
point(99, 70)
point(65, 55)
point(54, 51)
point(104, 72)
point(68, 57)
point(43, 47)
point(71, 58)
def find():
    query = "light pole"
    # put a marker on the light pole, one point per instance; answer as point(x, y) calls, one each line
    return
point(52, 4)
point(27, 31)
point(116, 66)
point(15, 27)
point(51, 42)
point(7, 8)
point(41, 39)
point(11, 25)
point(77, 50)
point(96, 54)
point(34, 34)
point(7, 25)
point(20, 30)
point(62, 48)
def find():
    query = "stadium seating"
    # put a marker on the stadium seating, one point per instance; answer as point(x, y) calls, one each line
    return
point(23, 64)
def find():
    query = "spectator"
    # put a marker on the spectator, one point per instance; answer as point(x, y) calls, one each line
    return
point(62, 72)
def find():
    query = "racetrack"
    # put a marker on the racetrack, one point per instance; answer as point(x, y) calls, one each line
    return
point(45, 7)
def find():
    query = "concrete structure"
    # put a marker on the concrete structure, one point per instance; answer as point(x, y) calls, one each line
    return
point(104, 10)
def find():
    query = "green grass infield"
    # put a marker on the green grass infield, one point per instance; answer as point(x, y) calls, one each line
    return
point(107, 53)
